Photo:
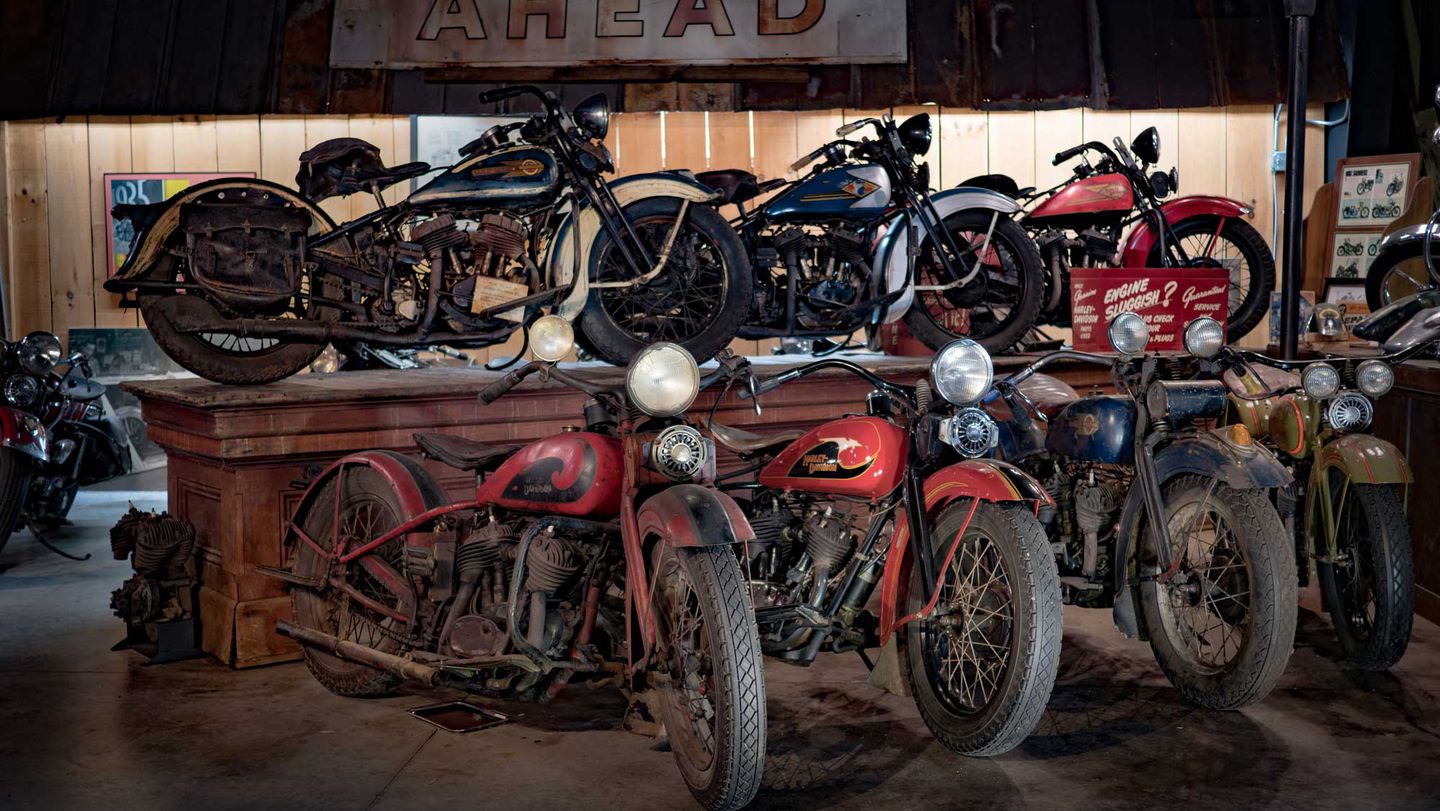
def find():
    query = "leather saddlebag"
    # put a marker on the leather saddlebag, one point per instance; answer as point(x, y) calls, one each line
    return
point(248, 256)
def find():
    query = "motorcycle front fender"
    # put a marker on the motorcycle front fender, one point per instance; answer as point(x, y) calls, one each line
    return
point(892, 251)
point(1138, 245)
point(1364, 459)
point(690, 515)
point(24, 433)
point(560, 260)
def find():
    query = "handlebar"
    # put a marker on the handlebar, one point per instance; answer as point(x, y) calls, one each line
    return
point(1061, 157)
point(845, 129)
point(496, 390)
point(1062, 354)
point(501, 93)
point(903, 394)
point(808, 159)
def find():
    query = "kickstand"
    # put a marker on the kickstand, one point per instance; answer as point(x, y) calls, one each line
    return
point(40, 536)
point(869, 665)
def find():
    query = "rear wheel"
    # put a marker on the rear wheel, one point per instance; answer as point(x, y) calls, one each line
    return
point(999, 304)
point(1369, 588)
point(982, 666)
point(712, 700)
point(700, 300)
point(1240, 249)
point(16, 472)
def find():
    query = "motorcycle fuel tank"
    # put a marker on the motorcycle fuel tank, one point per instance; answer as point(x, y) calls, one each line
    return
point(1095, 429)
point(577, 474)
point(1088, 196)
point(516, 177)
point(850, 192)
point(854, 456)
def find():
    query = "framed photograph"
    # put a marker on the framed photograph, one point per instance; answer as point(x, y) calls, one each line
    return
point(1374, 190)
point(1351, 253)
point(1345, 291)
point(141, 189)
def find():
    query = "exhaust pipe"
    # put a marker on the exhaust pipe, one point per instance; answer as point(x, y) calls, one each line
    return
point(388, 662)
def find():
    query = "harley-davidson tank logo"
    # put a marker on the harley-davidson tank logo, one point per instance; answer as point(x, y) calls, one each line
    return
point(1088, 425)
point(529, 167)
point(855, 188)
point(834, 458)
point(538, 481)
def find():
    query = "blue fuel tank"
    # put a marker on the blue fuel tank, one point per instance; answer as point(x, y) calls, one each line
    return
point(1095, 429)
point(518, 177)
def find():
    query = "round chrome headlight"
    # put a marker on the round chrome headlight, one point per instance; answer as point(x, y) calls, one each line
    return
point(1374, 377)
point(1128, 334)
point(1204, 337)
point(22, 391)
point(38, 352)
point(962, 371)
point(679, 452)
point(663, 380)
point(1320, 380)
point(551, 338)
point(1349, 412)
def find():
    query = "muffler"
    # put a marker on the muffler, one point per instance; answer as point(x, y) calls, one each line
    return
point(388, 662)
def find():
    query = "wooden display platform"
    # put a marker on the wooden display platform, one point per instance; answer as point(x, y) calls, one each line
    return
point(238, 455)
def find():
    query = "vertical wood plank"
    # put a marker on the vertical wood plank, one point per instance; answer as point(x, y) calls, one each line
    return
point(640, 143)
point(775, 144)
point(110, 151)
point(400, 136)
point(813, 128)
point(5, 227)
point(322, 128)
point(282, 139)
point(196, 149)
point(152, 144)
point(685, 141)
point(379, 131)
point(1105, 125)
point(964, 147)
point(67, 177)
point(1012, 145)
point(237, 140)
point(1056, 130)
point(1200, 151)
point(29, 266)
point(1248, 142)
point(729, 135)
point(1165, 122)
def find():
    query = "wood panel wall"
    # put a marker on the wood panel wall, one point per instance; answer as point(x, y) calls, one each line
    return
point(52, 242)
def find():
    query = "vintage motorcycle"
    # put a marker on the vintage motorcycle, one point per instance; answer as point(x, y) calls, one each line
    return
point(832, 250)
point(245, 281)
point(970, 612)
point(1079, 223)
point(1153, 509)
point(602, 552)
point(57, 439)
point(1405, 264)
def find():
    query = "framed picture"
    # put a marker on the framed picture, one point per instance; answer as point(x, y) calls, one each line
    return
point(1351, 253)
point(1374, 190)
point(1345, 291)
point(1307, 308)
point(141, 189)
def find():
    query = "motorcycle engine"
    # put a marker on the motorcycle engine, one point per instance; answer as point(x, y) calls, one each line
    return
point(830, 267)
point(797, 549)
point(490, 263)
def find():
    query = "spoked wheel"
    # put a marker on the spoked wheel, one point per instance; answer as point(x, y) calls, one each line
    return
point(1239, 248)
point(1397, 273)
point(1223, 624)
point(16, 473)
point(712, 698)
point(374, 615)
point(982, 666)
point(996, 306)
point(699, 300)
point(1369, 586)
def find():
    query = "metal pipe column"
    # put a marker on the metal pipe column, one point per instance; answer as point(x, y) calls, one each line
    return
point(1299, 12)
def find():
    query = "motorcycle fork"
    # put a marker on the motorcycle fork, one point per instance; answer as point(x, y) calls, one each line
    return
point(632, 250)
point(934, 228)
point(1147, 438)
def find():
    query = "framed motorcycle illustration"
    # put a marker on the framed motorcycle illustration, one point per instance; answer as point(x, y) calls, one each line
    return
point(1374, 190)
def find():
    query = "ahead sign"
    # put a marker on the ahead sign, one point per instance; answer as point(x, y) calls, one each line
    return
point(554, 33)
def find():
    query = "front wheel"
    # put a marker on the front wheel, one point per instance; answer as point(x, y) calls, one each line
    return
point(1369, 586)
point(1209, 241)
point(16, 472)
point(1223, 624)
point(699, 300)
point(982, 666)
point(712, 694)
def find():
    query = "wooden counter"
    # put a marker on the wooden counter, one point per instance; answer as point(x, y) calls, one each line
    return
point(238, 456)
point(1409, 416)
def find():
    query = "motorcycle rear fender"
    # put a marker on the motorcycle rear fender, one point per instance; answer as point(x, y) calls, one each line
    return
point(1142, 239)
point(983, 479)
point(24, 433)
point(415, 489)
point(1411, 237)
point(690, 515)
point(560, 259)
point(1364, 459)
point(892, 251)
point(151, 241)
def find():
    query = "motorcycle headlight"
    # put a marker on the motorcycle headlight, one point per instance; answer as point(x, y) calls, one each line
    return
point(1128, 334)
point(593, 116)
point(1374, 377)
point(1204, 337)
point(962, 371)
point(551, 338)
point(679, 452)
point(915, 134)
point(38, 352)
point(663, 380)
point(22, 391)
point(1320, 380)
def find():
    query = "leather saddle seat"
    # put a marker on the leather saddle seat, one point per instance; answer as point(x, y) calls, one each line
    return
point(343, 166)
point(1049, 394)
point(746, 444)
point(736, 185)
point(1004, 184)
point(464, 454)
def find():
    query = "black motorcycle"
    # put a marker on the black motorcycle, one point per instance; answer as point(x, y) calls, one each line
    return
point(832, 250)
point(245, 281)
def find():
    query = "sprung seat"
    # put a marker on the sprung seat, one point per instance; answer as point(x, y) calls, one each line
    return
point(736, 185)
point(464, 454)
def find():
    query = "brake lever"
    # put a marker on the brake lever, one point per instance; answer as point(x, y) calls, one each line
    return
point(754, 391)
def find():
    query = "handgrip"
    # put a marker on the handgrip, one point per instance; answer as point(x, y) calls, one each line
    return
point(496, 390)
point(499, 94)
point(807, 160)
point(1061, 157)
point(846, 129)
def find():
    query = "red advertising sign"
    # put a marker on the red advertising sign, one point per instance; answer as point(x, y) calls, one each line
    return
point(1167, 298)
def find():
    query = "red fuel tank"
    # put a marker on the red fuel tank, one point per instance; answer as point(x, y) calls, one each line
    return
point(854, 456)
point(578, 474)
point(1090, 195)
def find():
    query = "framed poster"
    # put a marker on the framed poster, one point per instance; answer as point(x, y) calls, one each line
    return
point(1351, 253)
point(142, 188)
point(1374, 190)
point(1347, 291)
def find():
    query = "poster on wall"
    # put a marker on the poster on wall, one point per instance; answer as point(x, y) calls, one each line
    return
point(1351, 253)
point(1374, 190)
point(1167, 298)
point(436, 139)
point(142, 189)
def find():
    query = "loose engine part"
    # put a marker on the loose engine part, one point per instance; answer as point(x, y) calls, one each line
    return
point(162, 551)
point(830, 270)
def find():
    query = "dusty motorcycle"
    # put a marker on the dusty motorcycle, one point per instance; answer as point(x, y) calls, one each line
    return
point(1080, 222)
point(832, 250)
point(601, 552)
point(245, 281)
point(1155, 510)
point(897, 498)
point(56, 438)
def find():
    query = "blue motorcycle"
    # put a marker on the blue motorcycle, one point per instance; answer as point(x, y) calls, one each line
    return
point(833, 254)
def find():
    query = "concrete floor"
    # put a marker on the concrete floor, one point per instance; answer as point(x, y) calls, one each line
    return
point(82, 727)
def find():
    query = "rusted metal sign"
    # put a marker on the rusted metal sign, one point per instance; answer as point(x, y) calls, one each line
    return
point(551, 33)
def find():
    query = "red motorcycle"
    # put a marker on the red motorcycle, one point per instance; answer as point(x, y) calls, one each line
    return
point(603, 552)
point(1080, 222)
point(970, 613)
